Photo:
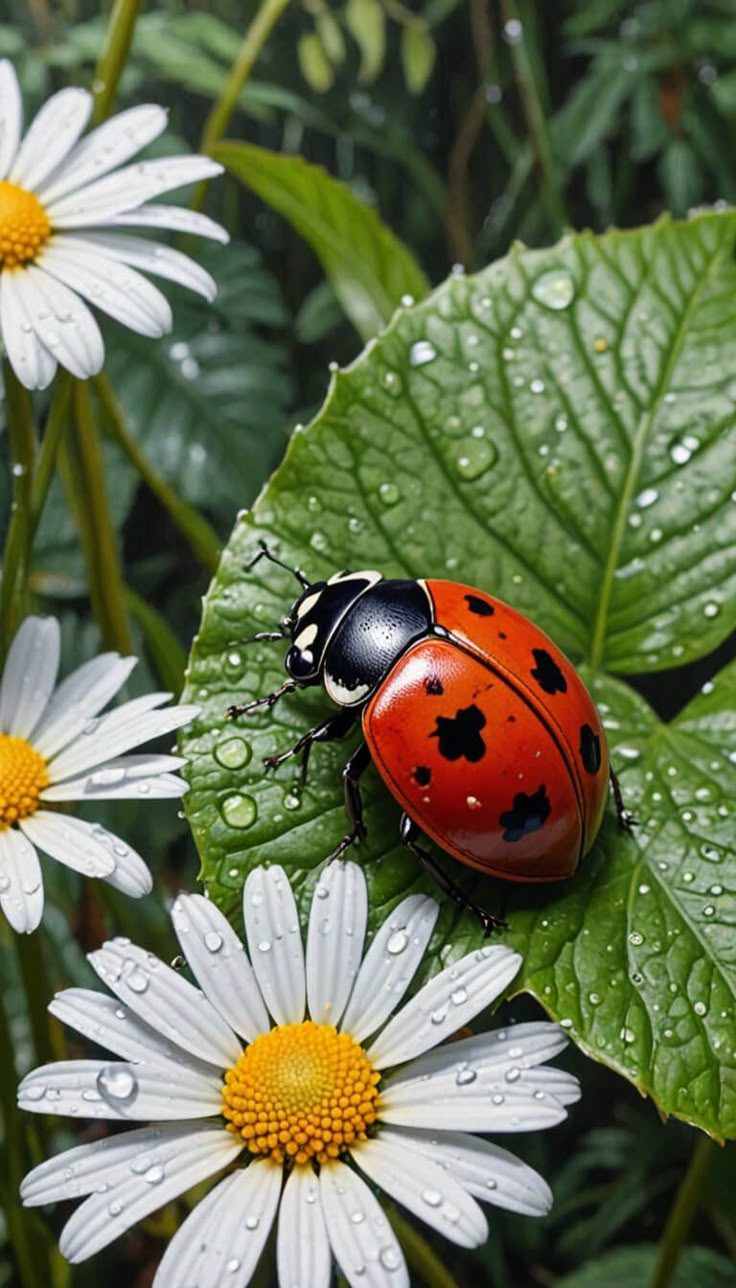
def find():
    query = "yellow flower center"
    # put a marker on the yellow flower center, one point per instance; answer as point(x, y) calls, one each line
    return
point(24, 225)
point(23, 776)
point(302, 1091)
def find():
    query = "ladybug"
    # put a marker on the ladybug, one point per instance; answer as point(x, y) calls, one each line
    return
point(481, 729)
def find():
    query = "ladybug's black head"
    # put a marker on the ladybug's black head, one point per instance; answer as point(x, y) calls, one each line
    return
point(316, 615)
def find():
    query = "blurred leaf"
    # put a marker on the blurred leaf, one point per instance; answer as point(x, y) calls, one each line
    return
point(649, 129)
point(368, 266)
point(366, 22)
point(213, 392)
point(320, 312)
point(681, 176)
point(560, 429)
point(314, 63)
point(418, 54)
point(635, 1267)
point(724, 93)
point(331, 37)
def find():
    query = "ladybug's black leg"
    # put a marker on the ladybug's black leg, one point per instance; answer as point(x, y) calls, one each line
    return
point(244, 709)
point(408, 832)
point(266, 553)
point(358, 762)
point(327, 731)
point(626, 820)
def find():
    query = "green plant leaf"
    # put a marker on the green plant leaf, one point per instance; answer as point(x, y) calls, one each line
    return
point(558, 430)
point(368, 266)
point(635, 1266)
point(366, 22)
point(214, 390)
point(418, 54)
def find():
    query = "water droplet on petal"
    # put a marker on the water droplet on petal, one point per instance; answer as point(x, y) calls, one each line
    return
point(213, 941)
point(432, 1198)
point(397, 943)
point(117, 1083)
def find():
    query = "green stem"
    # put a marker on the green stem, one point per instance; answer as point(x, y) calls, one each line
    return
point(202, 538)
point(268, 14)
point(420, 1257)
point(28, 1259)
point(83, 476)
point(23, 449)
point(53, 434)
point(682, 1212)
point(112, 59)
point(536, 119)
point(46, 1035)
point(163, 647)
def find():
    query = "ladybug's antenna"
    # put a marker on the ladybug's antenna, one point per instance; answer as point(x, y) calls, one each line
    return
point(266, 553)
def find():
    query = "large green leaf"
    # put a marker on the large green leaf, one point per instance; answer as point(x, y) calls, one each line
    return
point(636, 1265)
point(368, 266)
point(558, 430)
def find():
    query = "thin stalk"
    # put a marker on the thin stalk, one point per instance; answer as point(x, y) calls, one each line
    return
point(458, 216)
point(23, 449)
point(683, 1210)
point(53, 434)
point(28, 1261)
point(83, 476)
point(200, 536)
point(421, 1258)
point(536, 120)
point(114, 53)
point(268, 14)
point(47, 1038)
point(164, 649)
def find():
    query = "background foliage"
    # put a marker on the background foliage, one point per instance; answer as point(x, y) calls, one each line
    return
point(461, 125)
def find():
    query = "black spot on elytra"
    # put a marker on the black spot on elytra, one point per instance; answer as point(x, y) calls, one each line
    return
point(590, 749)
point(502, 635)
point(527, 815)
point(422, 775)
point(479, 606)
point(459, 735)
point(434, 686)
point(547, 673)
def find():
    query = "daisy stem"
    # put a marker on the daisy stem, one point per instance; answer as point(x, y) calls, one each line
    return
point(421, 1259)
point(112, 59)
point(202, 538)
point(83, 476)
point(23, 449)
point(268, 14)
point(682, 1212)
point(26, 1249)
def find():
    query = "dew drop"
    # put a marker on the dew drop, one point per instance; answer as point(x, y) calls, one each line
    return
point(389, 493)
point(137, 981)
point(700, 1008)
point(459, 996)
point(432, 1198)
point(390, 1258)
point(474, 457)
point(647, 497)
point(239, 810)
point(252, 1222)
point(213, 941)
point(155, 1174)
point(464, 1077)
point(117, 1083)
point(513, 1075)
point(635, 938)
point(711, 610)
point(233, 753)
point(555, 289)
point(398, 943)
point(421, 353)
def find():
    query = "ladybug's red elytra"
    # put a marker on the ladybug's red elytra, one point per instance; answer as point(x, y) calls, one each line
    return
point(481, 729)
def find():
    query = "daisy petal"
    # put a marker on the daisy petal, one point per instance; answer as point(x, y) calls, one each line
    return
point(167, 1002)
point(272, 930)
point(362, 1239)
point(427, 1191)
point(162, 261)
point(30, 359)
point(105, 148)
point(466, 1098)
point(70, 841)
point(128, 188)
point(86, 1168)
point(157, 1174)
point(11, 115)
point(21, 884)
point(113, 1089)
point(105, 1022)
point(222, 1239)
point(50, 136)
point(220, 964)
point(389, 965)
point(126, 777)
point(116, 289)
point(447, 1002)
point(117, 732)
point(302, 1248)
point(337, 922)
point(62, 322)
point(78, 698)
point(177, 218)
point(500, 1052)
point(29, 675)
point(486, 1171)
point(130, 875)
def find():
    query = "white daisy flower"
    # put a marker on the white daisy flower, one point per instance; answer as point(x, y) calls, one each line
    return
point(54, 748)
point(307, 1117)
point(63, 203)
